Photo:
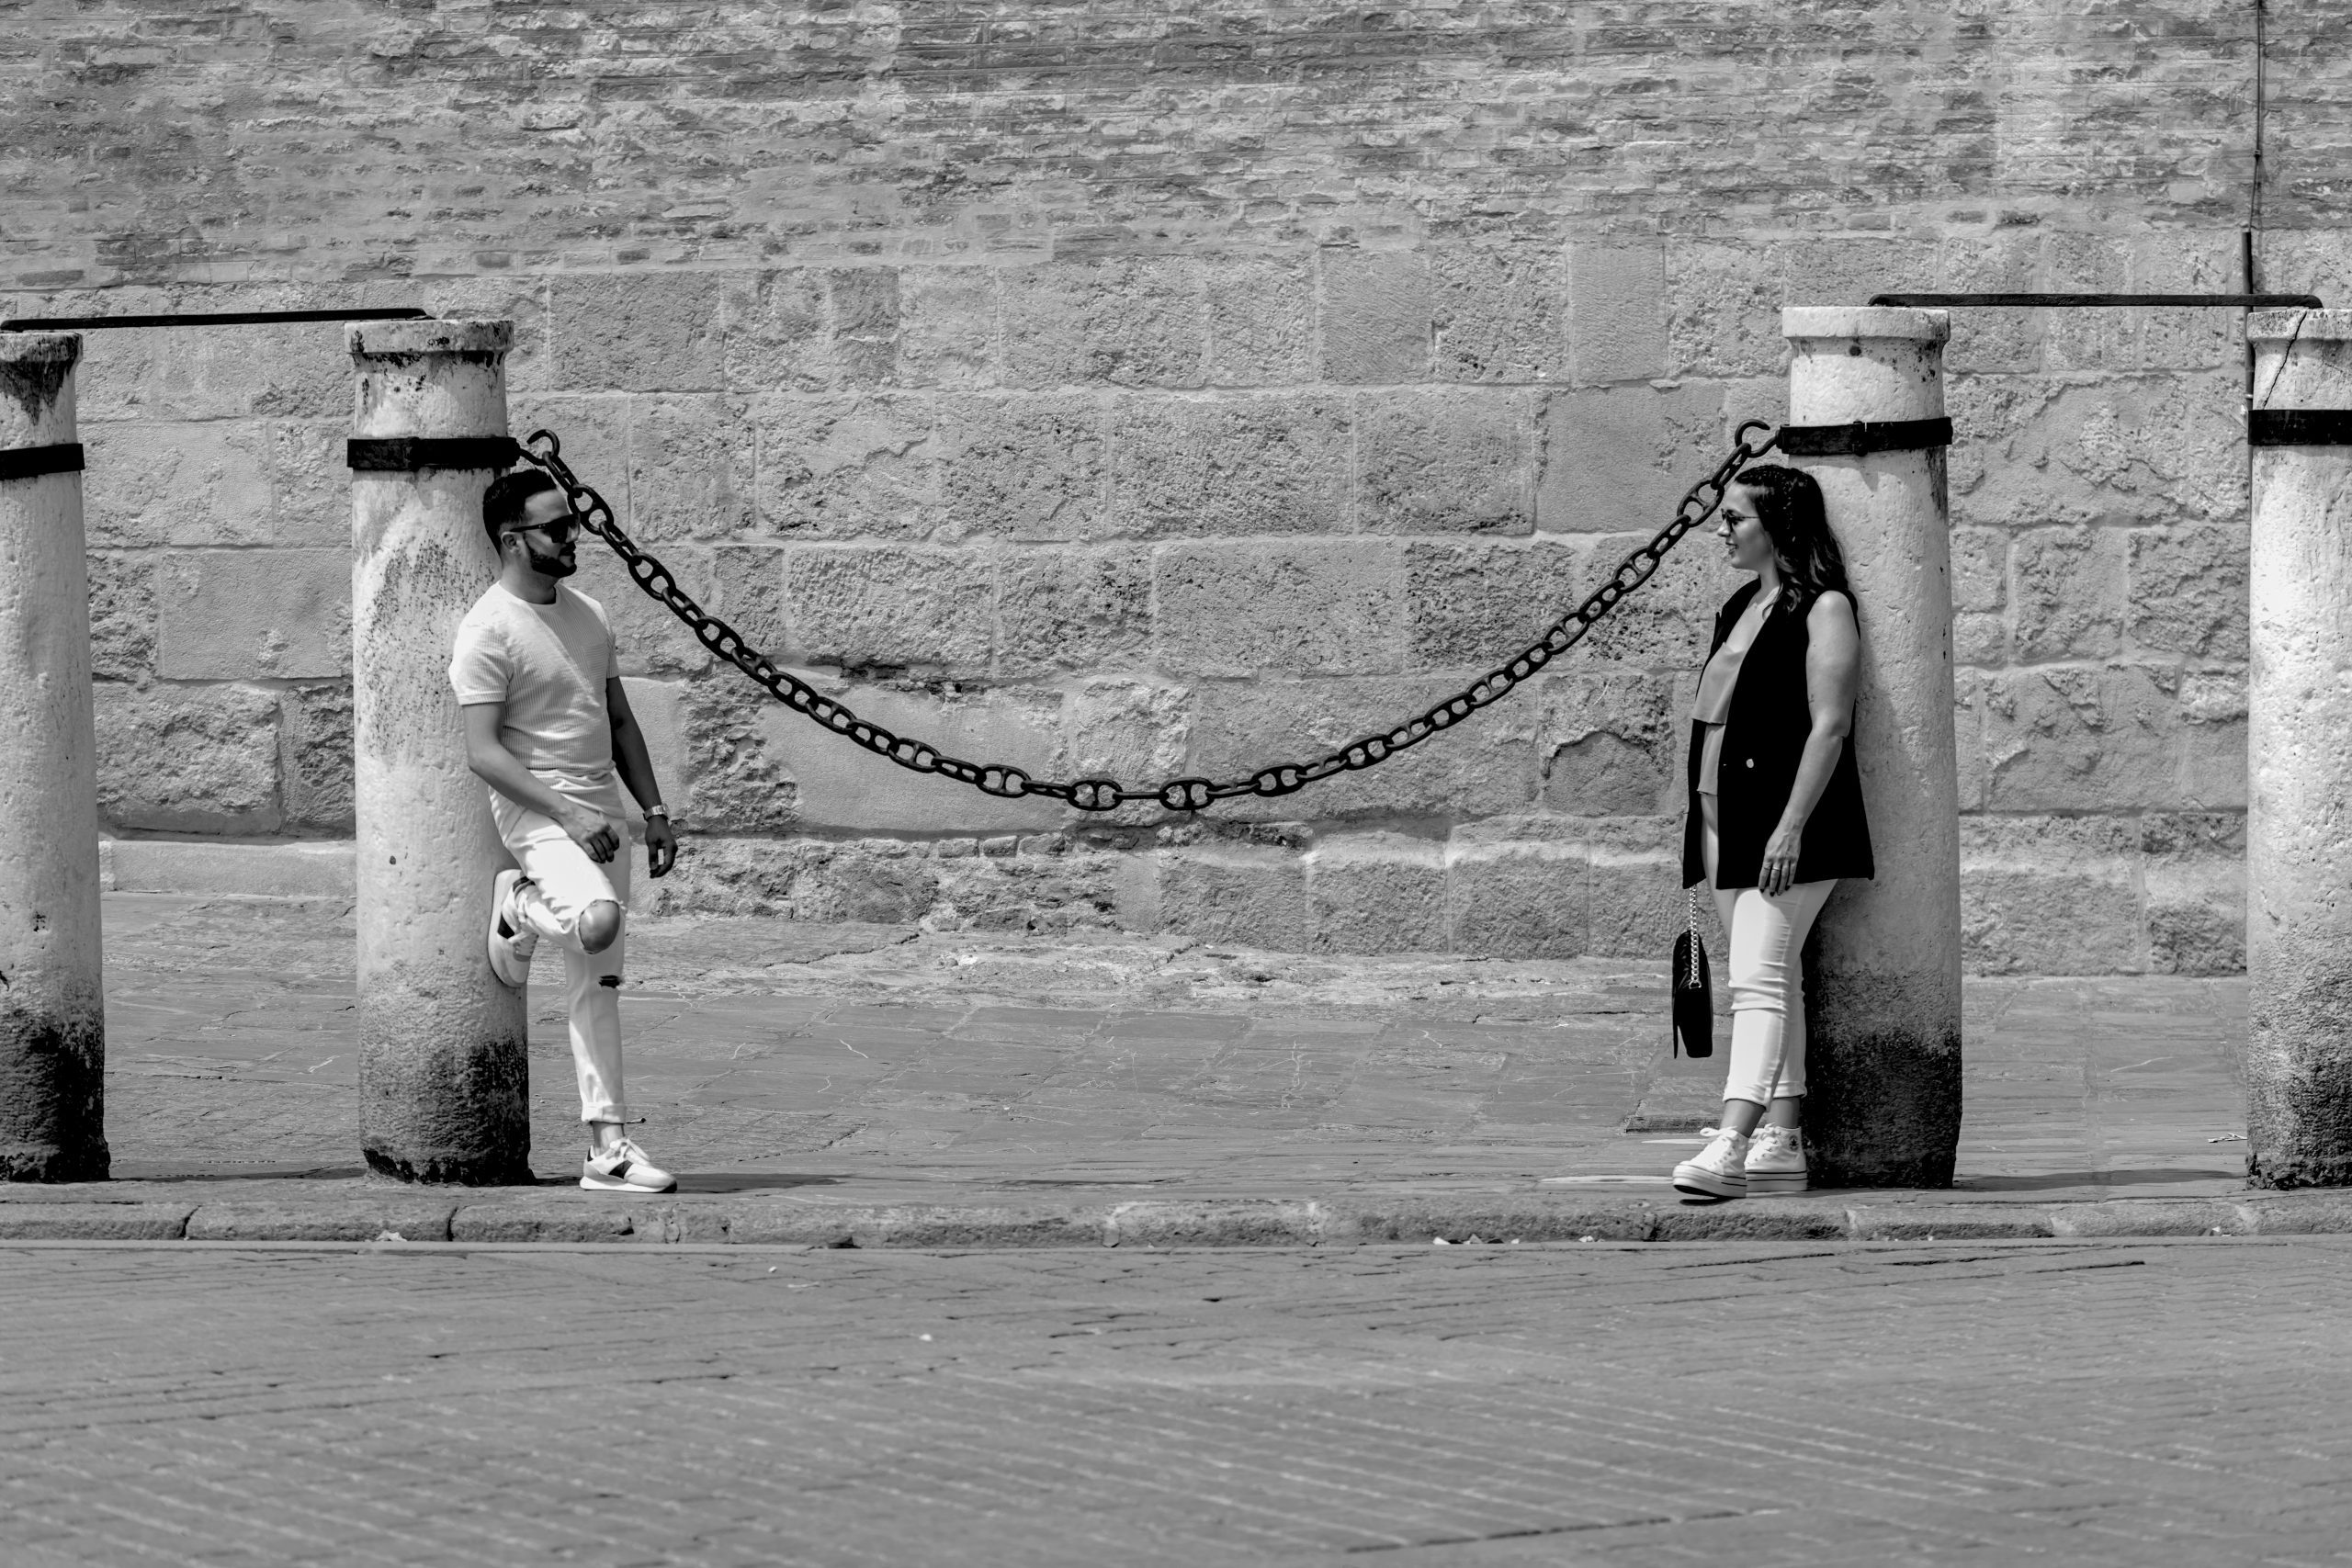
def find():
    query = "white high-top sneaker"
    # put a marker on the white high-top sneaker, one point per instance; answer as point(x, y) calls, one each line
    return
point(1776, 1162)
point(511, 942)
point(1721, 1169)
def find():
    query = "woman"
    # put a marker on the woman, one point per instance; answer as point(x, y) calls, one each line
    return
point(1775, 809)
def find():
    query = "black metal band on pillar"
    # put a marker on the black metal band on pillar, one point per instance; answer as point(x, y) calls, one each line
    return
point(2299, 427)
point(407, 454)
point(31, 462)
point(1864, 437)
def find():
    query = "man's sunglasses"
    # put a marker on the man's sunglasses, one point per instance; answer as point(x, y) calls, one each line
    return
point(562, 530)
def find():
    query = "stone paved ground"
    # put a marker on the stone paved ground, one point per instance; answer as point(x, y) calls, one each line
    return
point(2132, 1404)
point(883, 1063)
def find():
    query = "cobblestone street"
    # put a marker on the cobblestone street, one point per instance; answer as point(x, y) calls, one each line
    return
point(884, 1063)
point(2081, 1402)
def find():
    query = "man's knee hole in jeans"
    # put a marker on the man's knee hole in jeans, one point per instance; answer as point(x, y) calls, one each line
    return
point(600, 926)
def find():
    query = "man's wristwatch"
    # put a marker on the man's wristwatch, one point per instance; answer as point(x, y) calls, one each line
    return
point(660, 811)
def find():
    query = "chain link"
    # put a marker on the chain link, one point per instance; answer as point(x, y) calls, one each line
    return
point(543, 449)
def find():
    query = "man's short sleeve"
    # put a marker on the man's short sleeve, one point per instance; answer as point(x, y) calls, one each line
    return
point(479, 668)
point(612, 643)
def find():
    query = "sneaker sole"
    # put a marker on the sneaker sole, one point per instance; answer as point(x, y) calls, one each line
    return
point(514, 976)
point(606, 1184)
point(504, 962)
point(1707, 1184)
point(1763, 1183)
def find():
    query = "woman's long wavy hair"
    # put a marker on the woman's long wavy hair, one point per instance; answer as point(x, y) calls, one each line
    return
point(1787, 503)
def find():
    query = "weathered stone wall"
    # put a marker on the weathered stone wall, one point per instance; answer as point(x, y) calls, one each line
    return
point(1178, 389)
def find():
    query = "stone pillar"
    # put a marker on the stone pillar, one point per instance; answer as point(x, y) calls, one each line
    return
point(53, 1008)
point(1882, 1014)
point(2299, 762)
point(443, 1078)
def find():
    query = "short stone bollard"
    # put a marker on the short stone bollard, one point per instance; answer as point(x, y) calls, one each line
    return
point(53, 1008)
point(1883, 1008)
point(444, 1075)
point(2299, 753)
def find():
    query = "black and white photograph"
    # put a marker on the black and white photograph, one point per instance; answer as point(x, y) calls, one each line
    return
point(1032, 784)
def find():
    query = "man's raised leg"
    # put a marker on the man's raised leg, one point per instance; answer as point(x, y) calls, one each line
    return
point(582, 906)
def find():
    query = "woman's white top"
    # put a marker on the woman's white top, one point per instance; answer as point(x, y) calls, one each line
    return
point(1716, 685)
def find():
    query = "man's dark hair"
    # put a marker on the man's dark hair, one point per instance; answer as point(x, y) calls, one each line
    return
point(503, 502)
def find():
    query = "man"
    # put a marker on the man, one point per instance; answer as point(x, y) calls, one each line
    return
point(546, 726)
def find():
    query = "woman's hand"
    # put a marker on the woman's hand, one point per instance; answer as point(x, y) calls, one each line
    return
point(1780, 869)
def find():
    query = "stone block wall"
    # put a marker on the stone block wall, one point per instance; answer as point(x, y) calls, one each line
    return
point(1180, 390)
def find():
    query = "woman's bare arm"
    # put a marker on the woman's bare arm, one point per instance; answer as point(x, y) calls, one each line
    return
point(1833, 669)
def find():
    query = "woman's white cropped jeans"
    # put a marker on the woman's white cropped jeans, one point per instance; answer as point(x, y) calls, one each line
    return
point(563, 882)
point(1767, 980)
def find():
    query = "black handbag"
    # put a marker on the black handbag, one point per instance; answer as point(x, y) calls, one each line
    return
point(1694, 1008)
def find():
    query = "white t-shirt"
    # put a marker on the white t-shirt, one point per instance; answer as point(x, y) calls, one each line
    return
point(549, 665)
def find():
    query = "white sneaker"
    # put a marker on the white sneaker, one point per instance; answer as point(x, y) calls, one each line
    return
point(624, 1169)
point(1721, 1169)
point(1776, 1162)
point(511, 941)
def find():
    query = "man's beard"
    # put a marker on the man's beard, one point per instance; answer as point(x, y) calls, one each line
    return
point(557, 565)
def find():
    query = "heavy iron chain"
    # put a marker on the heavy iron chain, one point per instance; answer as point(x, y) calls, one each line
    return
point(1001, 779)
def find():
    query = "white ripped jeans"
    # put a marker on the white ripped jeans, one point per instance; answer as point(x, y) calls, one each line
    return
point(1767, 981)
point(563, 882)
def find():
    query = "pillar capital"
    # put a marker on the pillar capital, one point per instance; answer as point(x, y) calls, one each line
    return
point(40, 348)
point(1864, 324)
point(2302, 359)
point(1864, 362)
point(2299, 326)
point(37, 387)
point(381, 340)
point(430, 380)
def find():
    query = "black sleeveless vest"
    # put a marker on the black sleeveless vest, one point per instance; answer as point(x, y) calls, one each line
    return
point(1763, 741)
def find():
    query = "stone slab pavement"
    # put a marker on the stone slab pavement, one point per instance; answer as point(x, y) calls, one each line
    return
point(877, 1085)
point(2141, 1404)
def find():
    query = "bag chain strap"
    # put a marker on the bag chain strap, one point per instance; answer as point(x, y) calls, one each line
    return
point(1691, 918)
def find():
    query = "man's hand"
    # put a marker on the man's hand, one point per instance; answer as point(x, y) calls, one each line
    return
point(660, 846)
point(636, 771)
point(592, 831)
